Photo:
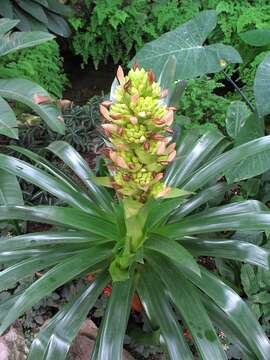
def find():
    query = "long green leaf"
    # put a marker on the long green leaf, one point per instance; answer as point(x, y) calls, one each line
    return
point(64, 216)
point(55, 277)
point(10, 191)
point(109, 344)
point(186, 298)
point(34, 9)
point(8, 123)
point(186, 44)
point(152, 293)
point(173, 251)
point(255, 152)
point(228, 249)
point(74, 160)
point(6, 10)
point(237, 114)
point(25, 91)
point(57, 336)
point(47, 182)
point(257, 37)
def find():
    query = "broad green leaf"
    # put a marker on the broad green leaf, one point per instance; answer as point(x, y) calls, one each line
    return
point(257, 37)
point(252, 129)
point(10, 191)
point(25, 91)
point(74, 160)
point(58, 25)
point(63, 216)
point(228, 249)
point(33, 9)
point(109, 344)
point(48, 238)
point(237, 114)
point(156, 303)
point(8, 123)
point(57, 336)
point(173, 251)
point(186, 44)
point(6, 25)
point(6, 9)
point(21, 40)
point(255, 155)
point(55, 277)
point(261, 87)
point(186, 298)
point(249, 280)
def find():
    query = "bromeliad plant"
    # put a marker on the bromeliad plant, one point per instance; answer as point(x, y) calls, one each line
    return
point(144, 238)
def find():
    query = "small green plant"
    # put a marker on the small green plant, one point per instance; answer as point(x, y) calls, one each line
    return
point(42, 65)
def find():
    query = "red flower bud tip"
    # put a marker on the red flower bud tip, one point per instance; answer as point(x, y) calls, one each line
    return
point(131, 166)
point(159, 176)
point(159, 122)
point(90, 277)
point(41, 99)
point(164, 163)
point(164, 93)
point(169, 130)
point(107, 290)
point(64, 104)
point(158, 137)
point(127, 85)
point(116, 186)
point(161, 147)
point(104, 112)
point(116, 116)
point(126, 177)
point(106, 152)
point(133, 120)
point(146, 145)
point(136, 65)
point(119, 131)
point(134, 98)
point(187, 335)
point(121, 146)
point(173, 108)
point(168, 118)
point(136, 303)
point(151, 76)
point(118, 160)
point(106, 103)
point(164, 192)
point(120, 75)
point(172, 156)
point(109, 128)
point(170, 148)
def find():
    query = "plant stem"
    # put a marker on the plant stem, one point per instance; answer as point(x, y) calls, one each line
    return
point(240, 91)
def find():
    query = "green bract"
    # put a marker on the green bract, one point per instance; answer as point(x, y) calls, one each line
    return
point(147, 248)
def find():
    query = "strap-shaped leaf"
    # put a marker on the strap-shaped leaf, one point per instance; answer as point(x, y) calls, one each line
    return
point(74, 160)
point(152, 293)
point(109, 344)
point(237, 114)
point(195, 158)
point(228, 249)
point(8, 124)
point(186, 297)
point(58, 25)
point(202, 224)
point(173, 251)
point(10, 191)
point(255, 153)
point(55, 277)
point(64, 216)
point(25, 91)
point(48, 238)
point(6, 10)
point(211, 193)
point(47, 182)
point(186, 44)
point(56, 338)
point(257, 37)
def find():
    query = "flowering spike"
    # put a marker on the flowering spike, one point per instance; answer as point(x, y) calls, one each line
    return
point(136, 124)
point(136, 65)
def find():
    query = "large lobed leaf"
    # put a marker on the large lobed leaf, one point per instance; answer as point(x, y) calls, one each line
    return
point(186, 44)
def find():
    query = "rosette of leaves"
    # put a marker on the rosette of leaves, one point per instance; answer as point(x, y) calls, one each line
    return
point(41, 15)
point(148, 249)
